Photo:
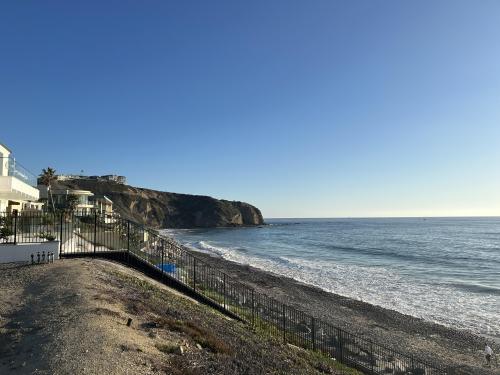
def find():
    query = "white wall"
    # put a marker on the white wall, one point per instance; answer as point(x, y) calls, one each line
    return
point(4, 152)
point(12, 188)
point(4, 162)
point(22, 252)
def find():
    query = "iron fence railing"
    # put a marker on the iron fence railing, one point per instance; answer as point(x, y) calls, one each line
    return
point(94, 234)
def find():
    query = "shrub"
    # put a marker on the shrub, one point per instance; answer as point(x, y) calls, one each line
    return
point(47, 236)
point(5, 233)
point(166, 348)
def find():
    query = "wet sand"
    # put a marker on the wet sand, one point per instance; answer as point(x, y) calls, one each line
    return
point(462, 351)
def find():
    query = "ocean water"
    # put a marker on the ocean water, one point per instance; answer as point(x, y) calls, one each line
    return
point(445, 270)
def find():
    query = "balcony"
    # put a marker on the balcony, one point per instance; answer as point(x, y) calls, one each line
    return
point(16, 182)
point(10, 167)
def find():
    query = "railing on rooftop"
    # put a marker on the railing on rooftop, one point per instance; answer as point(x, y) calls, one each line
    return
point(10, 167)
point(96, 235)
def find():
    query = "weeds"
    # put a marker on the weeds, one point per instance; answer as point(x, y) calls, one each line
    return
point(197, 333)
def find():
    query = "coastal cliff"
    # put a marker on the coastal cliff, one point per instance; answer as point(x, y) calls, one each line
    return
point(169, 210)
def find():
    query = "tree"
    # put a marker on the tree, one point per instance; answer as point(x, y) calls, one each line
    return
point(47, 177)
point(72, 202)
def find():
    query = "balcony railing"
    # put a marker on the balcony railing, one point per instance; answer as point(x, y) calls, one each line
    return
point(10, 167)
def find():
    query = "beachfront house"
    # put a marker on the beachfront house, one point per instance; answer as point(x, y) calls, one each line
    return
point(84, 204)
point(115, 178)
point(20, 236)
point(18, 191)
point(109, 177)
point(102, 204)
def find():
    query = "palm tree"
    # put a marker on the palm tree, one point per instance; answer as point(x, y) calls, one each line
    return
point(47, 177)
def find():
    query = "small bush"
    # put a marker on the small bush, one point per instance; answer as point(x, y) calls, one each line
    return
point(47, 236)
point(199, 334)
point(5, 233)
point(166, 348)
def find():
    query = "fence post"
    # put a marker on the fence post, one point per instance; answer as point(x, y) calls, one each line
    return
point(162, 258)
point(194, 274)
point(372, 359)
point(224, 288)
point(15, 227)
point(284, 323)
point(128, 241)
point(340, 346)
point(313, 333)
point(60, 233)
point(95, 232)
point(253, 308)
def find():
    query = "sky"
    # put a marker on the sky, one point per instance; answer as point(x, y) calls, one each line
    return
point(317, 108)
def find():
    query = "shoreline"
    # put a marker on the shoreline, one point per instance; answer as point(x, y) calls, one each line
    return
point(459, 349)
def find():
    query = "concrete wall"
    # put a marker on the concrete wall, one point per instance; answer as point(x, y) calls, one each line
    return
point(22, 252)
point(4, 162)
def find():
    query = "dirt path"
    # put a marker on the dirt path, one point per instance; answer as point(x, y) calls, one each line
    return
point(70, 318)
point(54, 322)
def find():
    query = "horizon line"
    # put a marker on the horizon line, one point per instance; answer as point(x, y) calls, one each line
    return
point(386, 217)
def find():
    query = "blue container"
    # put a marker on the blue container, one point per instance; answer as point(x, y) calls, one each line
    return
point(167, 267)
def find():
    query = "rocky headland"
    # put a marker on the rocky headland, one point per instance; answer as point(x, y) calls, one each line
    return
point(159, 209)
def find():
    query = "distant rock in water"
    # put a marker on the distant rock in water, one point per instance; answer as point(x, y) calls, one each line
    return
point(169, 210)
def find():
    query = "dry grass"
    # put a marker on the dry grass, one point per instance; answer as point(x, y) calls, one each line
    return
point(197, 333)
point(167, 348)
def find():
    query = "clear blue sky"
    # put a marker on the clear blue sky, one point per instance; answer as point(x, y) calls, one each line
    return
point(303, 108)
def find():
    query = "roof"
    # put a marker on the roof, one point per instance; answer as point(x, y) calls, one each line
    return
point(102, 197)
point(72, 192)
point(8, 149)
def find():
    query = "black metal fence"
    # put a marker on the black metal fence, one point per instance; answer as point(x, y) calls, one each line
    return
point(97, 234)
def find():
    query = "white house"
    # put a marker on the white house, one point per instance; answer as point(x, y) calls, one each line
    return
point(18, 193)
point(60, 196)
point(18, 190)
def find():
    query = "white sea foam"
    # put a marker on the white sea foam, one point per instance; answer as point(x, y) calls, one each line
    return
point(382, 287)
point(469, 307)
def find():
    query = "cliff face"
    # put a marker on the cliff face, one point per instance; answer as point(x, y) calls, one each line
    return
point(170, 210)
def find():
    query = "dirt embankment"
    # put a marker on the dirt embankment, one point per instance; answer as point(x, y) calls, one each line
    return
point(71, 317)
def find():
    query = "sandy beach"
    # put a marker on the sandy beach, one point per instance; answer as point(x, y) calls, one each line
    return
point(462, 351)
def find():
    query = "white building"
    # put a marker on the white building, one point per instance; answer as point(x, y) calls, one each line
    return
point(18, 190)
point(60, 197)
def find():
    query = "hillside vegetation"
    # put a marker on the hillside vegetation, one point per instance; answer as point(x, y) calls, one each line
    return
point(169, 210)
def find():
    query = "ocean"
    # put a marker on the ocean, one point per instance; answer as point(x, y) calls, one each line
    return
point(444, 270)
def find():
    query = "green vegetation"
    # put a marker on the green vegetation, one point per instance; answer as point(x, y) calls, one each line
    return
point(5, 228)
point(198, 334)
point(72, 202)
point(166, 348)
point(230, 346)
point(5, 233)
point(47, 177)
point(47, 236)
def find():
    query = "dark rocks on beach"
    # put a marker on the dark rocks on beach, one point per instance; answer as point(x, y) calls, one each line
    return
point(411, 336)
